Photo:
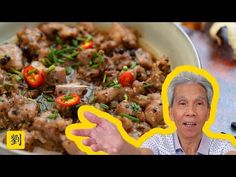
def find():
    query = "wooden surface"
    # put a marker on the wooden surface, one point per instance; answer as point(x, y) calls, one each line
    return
point(218, 61)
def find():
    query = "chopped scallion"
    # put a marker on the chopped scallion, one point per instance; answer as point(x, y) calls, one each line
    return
point(132, 118)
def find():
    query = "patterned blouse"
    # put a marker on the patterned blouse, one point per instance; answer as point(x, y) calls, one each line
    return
point(170, 145)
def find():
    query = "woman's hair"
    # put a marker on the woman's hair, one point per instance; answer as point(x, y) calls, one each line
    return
point(189, 77)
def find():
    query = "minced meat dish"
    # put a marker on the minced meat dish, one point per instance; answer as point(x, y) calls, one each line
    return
point(54, 68)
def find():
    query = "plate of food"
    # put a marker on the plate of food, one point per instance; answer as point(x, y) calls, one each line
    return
point(49, 70)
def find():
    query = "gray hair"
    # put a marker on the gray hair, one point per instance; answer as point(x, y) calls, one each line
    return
point(189, 77)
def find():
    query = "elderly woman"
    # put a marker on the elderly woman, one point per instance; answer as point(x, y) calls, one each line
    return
point(190, 97)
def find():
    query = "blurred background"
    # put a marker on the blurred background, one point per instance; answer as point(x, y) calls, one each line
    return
point(216, 46)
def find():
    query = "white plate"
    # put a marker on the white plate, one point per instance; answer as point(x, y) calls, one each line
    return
point(166, 39)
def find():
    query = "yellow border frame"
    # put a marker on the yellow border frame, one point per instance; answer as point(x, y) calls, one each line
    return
point(172, 128)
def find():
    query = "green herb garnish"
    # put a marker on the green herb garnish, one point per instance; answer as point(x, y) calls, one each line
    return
point(126, 97)
point(54, 115)
point(67, 96)
point(135, 107)
point(76, 65)
point(88, 38)
point(146, 85)
point(49, 99)
point(115, 83)
point(15, 76)
point(32, 72)
point(7, 85)
point(51, 68)
point(59, 40)
point(93, 63)
point(104, 106)
point(69, 70)
point(104, 78)
point(77, 106)
point(18, 78)
point(95, 66)
point(60, 56)
point(74, 42)
point(133, 65)
point(125, 68)
point(17, 72)
point(22, 92)
point(100, 58)
point(132, 118)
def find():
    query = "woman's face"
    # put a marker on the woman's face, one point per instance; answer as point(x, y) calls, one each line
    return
point(190, 109)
